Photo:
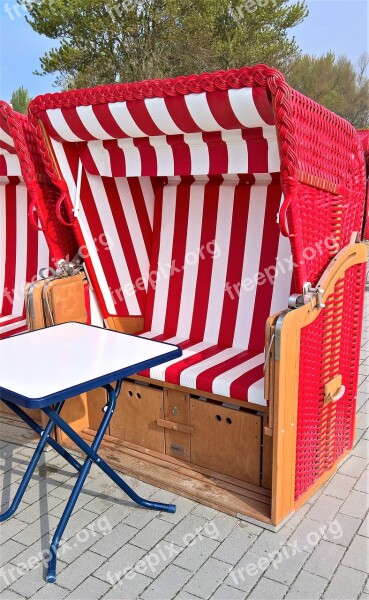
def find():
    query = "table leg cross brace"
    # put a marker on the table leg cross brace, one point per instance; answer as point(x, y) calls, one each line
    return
point(83, 470)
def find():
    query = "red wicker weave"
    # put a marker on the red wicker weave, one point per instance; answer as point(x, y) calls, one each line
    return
point(43, 192)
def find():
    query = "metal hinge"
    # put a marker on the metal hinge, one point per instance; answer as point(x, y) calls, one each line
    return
point(313, 295)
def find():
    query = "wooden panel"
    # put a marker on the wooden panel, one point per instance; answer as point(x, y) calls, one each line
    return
point(177, 409)
point(34, 413)
point(267, 460)
point(138, 408)
point(125, 324)
point(75, 413)
point(185, 479)
point(226, 440)
point(96, 400)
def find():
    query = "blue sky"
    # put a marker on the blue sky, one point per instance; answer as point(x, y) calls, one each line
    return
point(338, 25)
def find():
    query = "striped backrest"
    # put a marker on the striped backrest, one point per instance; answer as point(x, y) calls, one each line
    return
point(112, 156)
point(219, 265)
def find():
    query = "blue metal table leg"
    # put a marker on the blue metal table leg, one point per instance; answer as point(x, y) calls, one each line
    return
point(92, 457)
point(45, 438)
point(36, 427)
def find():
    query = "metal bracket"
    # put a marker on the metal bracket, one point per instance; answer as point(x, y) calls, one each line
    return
point(313, 295)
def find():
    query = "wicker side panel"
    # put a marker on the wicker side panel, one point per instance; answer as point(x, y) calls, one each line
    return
point(330, 346)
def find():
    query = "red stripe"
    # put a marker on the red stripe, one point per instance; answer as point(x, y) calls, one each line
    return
point(75, 123)
point(98, 234)
point(32, 248)
point(240, 387)
point(117, 210)
point(50, 128)
point(218, 153)
point(154, 263)
point(209, 222)
point(222, 111)
point(117, 158)
point(257, 148)
point(87, 159)
point(204, 380)
point(3, 166)
point(181, 154)
point(180, 195)
point(235, 262)
point(180, 114)
point(269, 252)
point(263, 104)
point(173, 372)
point(149, 163)
point(11, 248)
point(141, 210)
point(142, 117)
point(103, 114)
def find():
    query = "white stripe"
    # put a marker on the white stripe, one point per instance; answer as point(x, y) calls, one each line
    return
point(91, 123)
point(159, 371)
point(282, 281)
point(2, 242)
point(195, 215)
point(116, 251)
point(189, 376)
point(243, 106)
point(101, 158)
point(125, 120)
point(160, 115)
point(85, 228)
point(5, 137)
point(134, 227)
point(13, 168)
point(222, 383)
point(43, 259)
point(13, 326)
point(61, 126)
point(199, 153)
point(132, 157)
point(256, 393)
point(238, 160)
point(164, 155)
point(220, 264)
point(96, 317)
point(199, 110)
point(21, 249)
point(164, 262)
point(149, 197)
point(251, 263)
point(274, 160)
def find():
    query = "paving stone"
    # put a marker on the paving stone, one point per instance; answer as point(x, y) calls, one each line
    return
point(357, 555)
point(167, 585)
point(188, 525)
point(204, 511)
point(356, 505)
point(90, 589)
point(37, 509)
point(235, 545)
point(184, 506)
point(220, 526)
point(324, 559)
point(224, 592)
point(353, 466)
point(307, 587)
point(269, 542)
point(207, 578)
point(195, 555)
point(109, 544)
point(126, 558)
point(363, 484)
point(10, 595)
point(342, 530)
point(129, 589)
point(346, 583)
point(364, 529)
point(266, 589)
point(57, 593)
point(9, 529)
point(139, 517)
point(247, 571)
point(361, 449)
point(151, 534)
point(9, 550)
point(340, 486)
point(28, 582)
point(325, 509)
point(286, 565)
point(79, 570)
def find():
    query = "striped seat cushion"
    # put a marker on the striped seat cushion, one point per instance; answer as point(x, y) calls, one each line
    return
point(219, 269)
point(23, 251)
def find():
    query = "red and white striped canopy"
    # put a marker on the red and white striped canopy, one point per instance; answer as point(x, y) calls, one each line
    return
point(9, 162)
point(209, 133)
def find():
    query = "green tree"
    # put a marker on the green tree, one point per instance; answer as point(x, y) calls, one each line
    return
point(126, 40)
point(335, 83)
point(20, 100)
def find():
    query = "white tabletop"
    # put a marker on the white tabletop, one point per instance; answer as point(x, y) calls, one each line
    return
point(41, 363)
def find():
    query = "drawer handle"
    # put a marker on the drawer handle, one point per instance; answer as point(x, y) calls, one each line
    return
point(175, 426)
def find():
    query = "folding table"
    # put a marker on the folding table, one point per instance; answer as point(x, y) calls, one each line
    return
point(42, 369)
